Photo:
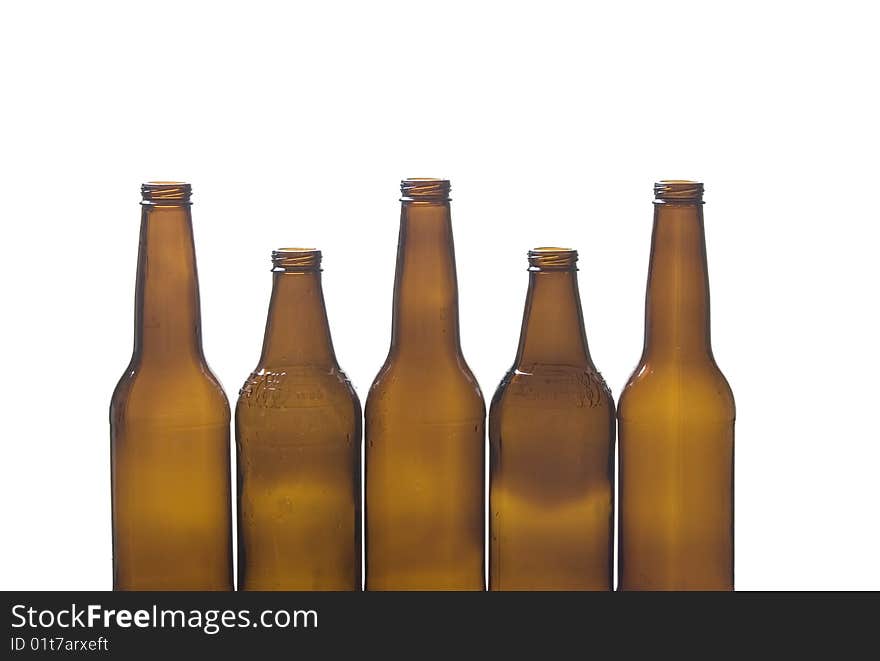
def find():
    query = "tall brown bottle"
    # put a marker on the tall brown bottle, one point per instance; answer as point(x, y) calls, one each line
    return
point(298, 434)
point(676, 419)
point(169, 421)
point(551, 440)
point(425, 420)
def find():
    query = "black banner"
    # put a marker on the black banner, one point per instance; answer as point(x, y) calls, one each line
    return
point(176, 624)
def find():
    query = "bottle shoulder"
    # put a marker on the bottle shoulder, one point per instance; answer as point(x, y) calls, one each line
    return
point(445, 381)
point(171, 393)
point(698, 386)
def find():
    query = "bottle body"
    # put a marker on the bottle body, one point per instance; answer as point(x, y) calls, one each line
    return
point(676, 418)
point(169, 424)
point(425, 421)
point(425, 481)
point(551, 440)
point(298, 434)
point(676, 481)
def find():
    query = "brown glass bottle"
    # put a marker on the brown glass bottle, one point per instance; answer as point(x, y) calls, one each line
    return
point(551, 445)
point(169, 421)
point(298, 435)
point(425, 420)
point(676, 419)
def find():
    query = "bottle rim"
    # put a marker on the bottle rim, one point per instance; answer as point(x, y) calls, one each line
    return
point(292, 260)
point(425, 189)
point(680, 191)
point(166, 193)
point(552, 258)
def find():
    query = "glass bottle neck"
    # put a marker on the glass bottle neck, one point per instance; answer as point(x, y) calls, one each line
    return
point(297, 331)
point(425, 317)
point(553, 324)
point(167, 315)
point(677, 302)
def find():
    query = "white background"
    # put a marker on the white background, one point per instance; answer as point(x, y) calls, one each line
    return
point(295, 124)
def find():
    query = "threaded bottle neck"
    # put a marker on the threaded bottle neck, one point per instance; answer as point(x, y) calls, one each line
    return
point(553, 324)
point(296, 260)
point(297, 331)
point(675, 191)
point(552, 259)
point(425, 318)
point(677, 301)
point(425, 189)
point(166, 194)
point(167, 315)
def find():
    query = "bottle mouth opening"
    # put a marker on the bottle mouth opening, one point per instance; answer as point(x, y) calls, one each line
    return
point(552, 258)
point(678, 190)
point(166, 193)
point(296, 259)
point(425, 189)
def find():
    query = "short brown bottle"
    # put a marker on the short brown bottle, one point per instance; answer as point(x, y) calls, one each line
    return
point(425, 420)
point(675, 419)
point(551, 441)
point(298, 435)
point(169, 421)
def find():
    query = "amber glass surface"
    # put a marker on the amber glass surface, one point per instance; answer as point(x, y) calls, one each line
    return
point(169, 422)
point(298, 435)
point(425, 420)
point(676, 418)
point(551, 435)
